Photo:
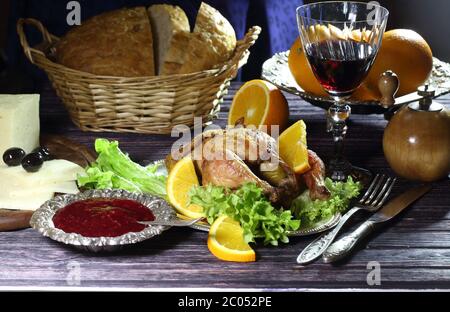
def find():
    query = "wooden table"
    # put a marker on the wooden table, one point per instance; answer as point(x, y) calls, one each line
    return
point(413, 251)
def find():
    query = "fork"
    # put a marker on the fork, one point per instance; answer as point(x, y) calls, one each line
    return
point(372, 200)
point(172, 222)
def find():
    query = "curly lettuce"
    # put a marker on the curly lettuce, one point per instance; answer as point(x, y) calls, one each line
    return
point(311, 211)
point(248, 206)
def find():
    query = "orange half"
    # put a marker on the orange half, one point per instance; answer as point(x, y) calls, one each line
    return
point(259, 103)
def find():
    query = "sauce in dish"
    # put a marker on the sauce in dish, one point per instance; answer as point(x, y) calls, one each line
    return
point(102, 217)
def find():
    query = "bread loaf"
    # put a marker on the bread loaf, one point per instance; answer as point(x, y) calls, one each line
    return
point(132, 42)
point(116, 43)
point(212, 42)
point(171, 33)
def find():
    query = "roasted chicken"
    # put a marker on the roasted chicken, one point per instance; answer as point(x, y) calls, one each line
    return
point(240, 155)
point(314, 178)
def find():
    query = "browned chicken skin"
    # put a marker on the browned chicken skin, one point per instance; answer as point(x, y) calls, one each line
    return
point(231, 172)
point(314, 178)
point(236, 156)
point(229, 166)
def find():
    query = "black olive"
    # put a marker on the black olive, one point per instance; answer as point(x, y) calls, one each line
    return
point(45, 153)
point(13, 156)
point(32, 162)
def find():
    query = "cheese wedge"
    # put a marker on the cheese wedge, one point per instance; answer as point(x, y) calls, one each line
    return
point(25, 202)
point(69, 187)
point(28, 191)
point(52, 171)
point(19, 122)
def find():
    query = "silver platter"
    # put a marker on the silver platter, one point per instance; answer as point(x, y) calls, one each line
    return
point(42, 220)
point(319, 227)
point(276, 71)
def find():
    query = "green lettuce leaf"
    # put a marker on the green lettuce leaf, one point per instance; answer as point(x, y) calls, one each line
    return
point(113, 169)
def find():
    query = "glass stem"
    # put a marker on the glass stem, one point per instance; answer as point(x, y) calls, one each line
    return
point(339, 168)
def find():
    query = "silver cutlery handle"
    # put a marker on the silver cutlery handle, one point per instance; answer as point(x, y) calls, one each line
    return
point(168, 223)
point(319, 245)
point(343, 247)
point(179, 223)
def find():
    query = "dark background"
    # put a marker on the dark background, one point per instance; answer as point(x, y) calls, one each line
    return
point(276, 17)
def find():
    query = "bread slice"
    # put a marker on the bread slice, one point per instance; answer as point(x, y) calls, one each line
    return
point(171, 33)
point(212, 42)
point(117, 43)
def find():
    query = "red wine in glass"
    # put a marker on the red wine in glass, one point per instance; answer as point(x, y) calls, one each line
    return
point(340, 65)
point(341, 40)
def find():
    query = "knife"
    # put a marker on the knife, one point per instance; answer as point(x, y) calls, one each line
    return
point(342, 248)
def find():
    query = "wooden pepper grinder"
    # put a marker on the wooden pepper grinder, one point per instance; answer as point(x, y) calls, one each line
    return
point(416, 141)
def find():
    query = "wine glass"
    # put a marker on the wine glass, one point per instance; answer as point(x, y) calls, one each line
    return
point(341, 40)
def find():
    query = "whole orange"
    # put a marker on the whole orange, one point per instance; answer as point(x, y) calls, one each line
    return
point(366, 92)
point(406, 53)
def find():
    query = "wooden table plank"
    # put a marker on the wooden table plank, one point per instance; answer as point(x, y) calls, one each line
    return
point(413, 250)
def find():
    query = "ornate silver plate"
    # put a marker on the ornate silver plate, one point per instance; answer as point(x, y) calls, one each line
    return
point(42, 220)
point(276, 71)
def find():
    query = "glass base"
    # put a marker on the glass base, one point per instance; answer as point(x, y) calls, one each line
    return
point(341, 171)
point(361, 175)
point(338, 170)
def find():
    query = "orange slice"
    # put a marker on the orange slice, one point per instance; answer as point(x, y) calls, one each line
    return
point(293, 147)
point(226, 241)
point(181, 179)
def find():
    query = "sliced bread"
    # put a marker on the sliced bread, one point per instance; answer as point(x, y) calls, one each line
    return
point(171, 33)
point(116, 43)
point(212, 42)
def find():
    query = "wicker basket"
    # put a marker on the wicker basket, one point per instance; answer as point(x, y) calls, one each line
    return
point(143, 104)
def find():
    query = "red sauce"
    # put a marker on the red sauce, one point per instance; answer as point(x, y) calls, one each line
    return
point(102, 217)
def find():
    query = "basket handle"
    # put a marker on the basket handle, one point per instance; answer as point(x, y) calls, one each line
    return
point(23, 38)
point(242, 53)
